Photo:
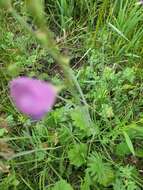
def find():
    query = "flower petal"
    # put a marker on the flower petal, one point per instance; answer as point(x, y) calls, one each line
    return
point(33, 97)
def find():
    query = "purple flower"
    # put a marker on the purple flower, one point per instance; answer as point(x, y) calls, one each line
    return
point(33, 97)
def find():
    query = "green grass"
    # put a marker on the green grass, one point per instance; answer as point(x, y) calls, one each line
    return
point(104, 40)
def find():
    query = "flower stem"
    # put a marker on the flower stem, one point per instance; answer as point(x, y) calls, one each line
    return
point(44, 35)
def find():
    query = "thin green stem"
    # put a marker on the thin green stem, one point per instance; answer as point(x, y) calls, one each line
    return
point(46, 39)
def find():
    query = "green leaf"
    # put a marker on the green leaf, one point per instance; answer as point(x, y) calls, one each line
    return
point(86, 183)
point(118, 185)
point(62, 185)
point(129, 143)
point(122, 149)
point(5, 4)
point(80, 120)
point(134, 130)
point(77, 154)
point(14, 69)
point(118, 31)
point(108, 177)
point(139, 152)
point(108, 73)
point(100, 171)
point(107, 111)
point(128, 74)
point(2, 132)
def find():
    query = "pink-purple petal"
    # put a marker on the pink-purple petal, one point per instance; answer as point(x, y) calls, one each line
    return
point(33, 97)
